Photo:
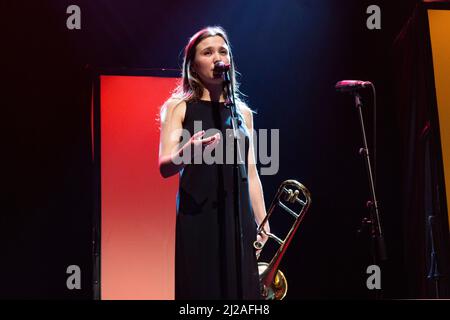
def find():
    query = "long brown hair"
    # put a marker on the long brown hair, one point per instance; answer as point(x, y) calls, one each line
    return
point(191, 87)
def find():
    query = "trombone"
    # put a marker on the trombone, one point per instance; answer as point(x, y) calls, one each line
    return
point(273, 282)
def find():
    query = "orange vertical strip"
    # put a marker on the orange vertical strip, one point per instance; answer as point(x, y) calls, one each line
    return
point(439, 21)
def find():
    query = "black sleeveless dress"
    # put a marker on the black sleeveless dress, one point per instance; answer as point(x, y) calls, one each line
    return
point(205, 261)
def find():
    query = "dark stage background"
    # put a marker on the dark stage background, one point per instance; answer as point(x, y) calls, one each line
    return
point(290, 54)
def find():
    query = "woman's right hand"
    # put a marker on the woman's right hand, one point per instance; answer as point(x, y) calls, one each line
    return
point(210, 142)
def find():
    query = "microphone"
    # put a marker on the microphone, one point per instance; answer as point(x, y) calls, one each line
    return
point(351, 85)
point(220, 67)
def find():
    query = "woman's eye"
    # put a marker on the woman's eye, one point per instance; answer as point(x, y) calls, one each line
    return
point(207, 53)
point(224, 52)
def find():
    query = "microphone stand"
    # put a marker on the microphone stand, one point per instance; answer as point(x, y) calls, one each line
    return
point(433, 272)
point(378, 244)
point(239, 175)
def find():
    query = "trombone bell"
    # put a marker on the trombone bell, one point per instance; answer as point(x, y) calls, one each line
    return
point(278, 289)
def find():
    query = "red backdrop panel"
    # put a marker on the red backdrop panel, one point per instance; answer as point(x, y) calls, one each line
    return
point(138, 206)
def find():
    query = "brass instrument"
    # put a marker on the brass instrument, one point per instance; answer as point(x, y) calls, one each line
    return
point(273, 282)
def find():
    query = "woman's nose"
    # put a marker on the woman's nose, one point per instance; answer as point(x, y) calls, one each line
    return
point(217, 57)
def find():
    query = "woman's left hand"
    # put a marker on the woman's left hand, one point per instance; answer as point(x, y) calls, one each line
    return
point(262, 238)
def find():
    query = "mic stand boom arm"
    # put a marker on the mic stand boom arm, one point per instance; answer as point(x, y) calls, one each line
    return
point(376, 232)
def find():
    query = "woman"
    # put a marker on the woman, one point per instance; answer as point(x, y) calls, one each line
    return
point(206, 257)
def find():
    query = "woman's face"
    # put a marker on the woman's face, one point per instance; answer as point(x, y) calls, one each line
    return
point(209, 51)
